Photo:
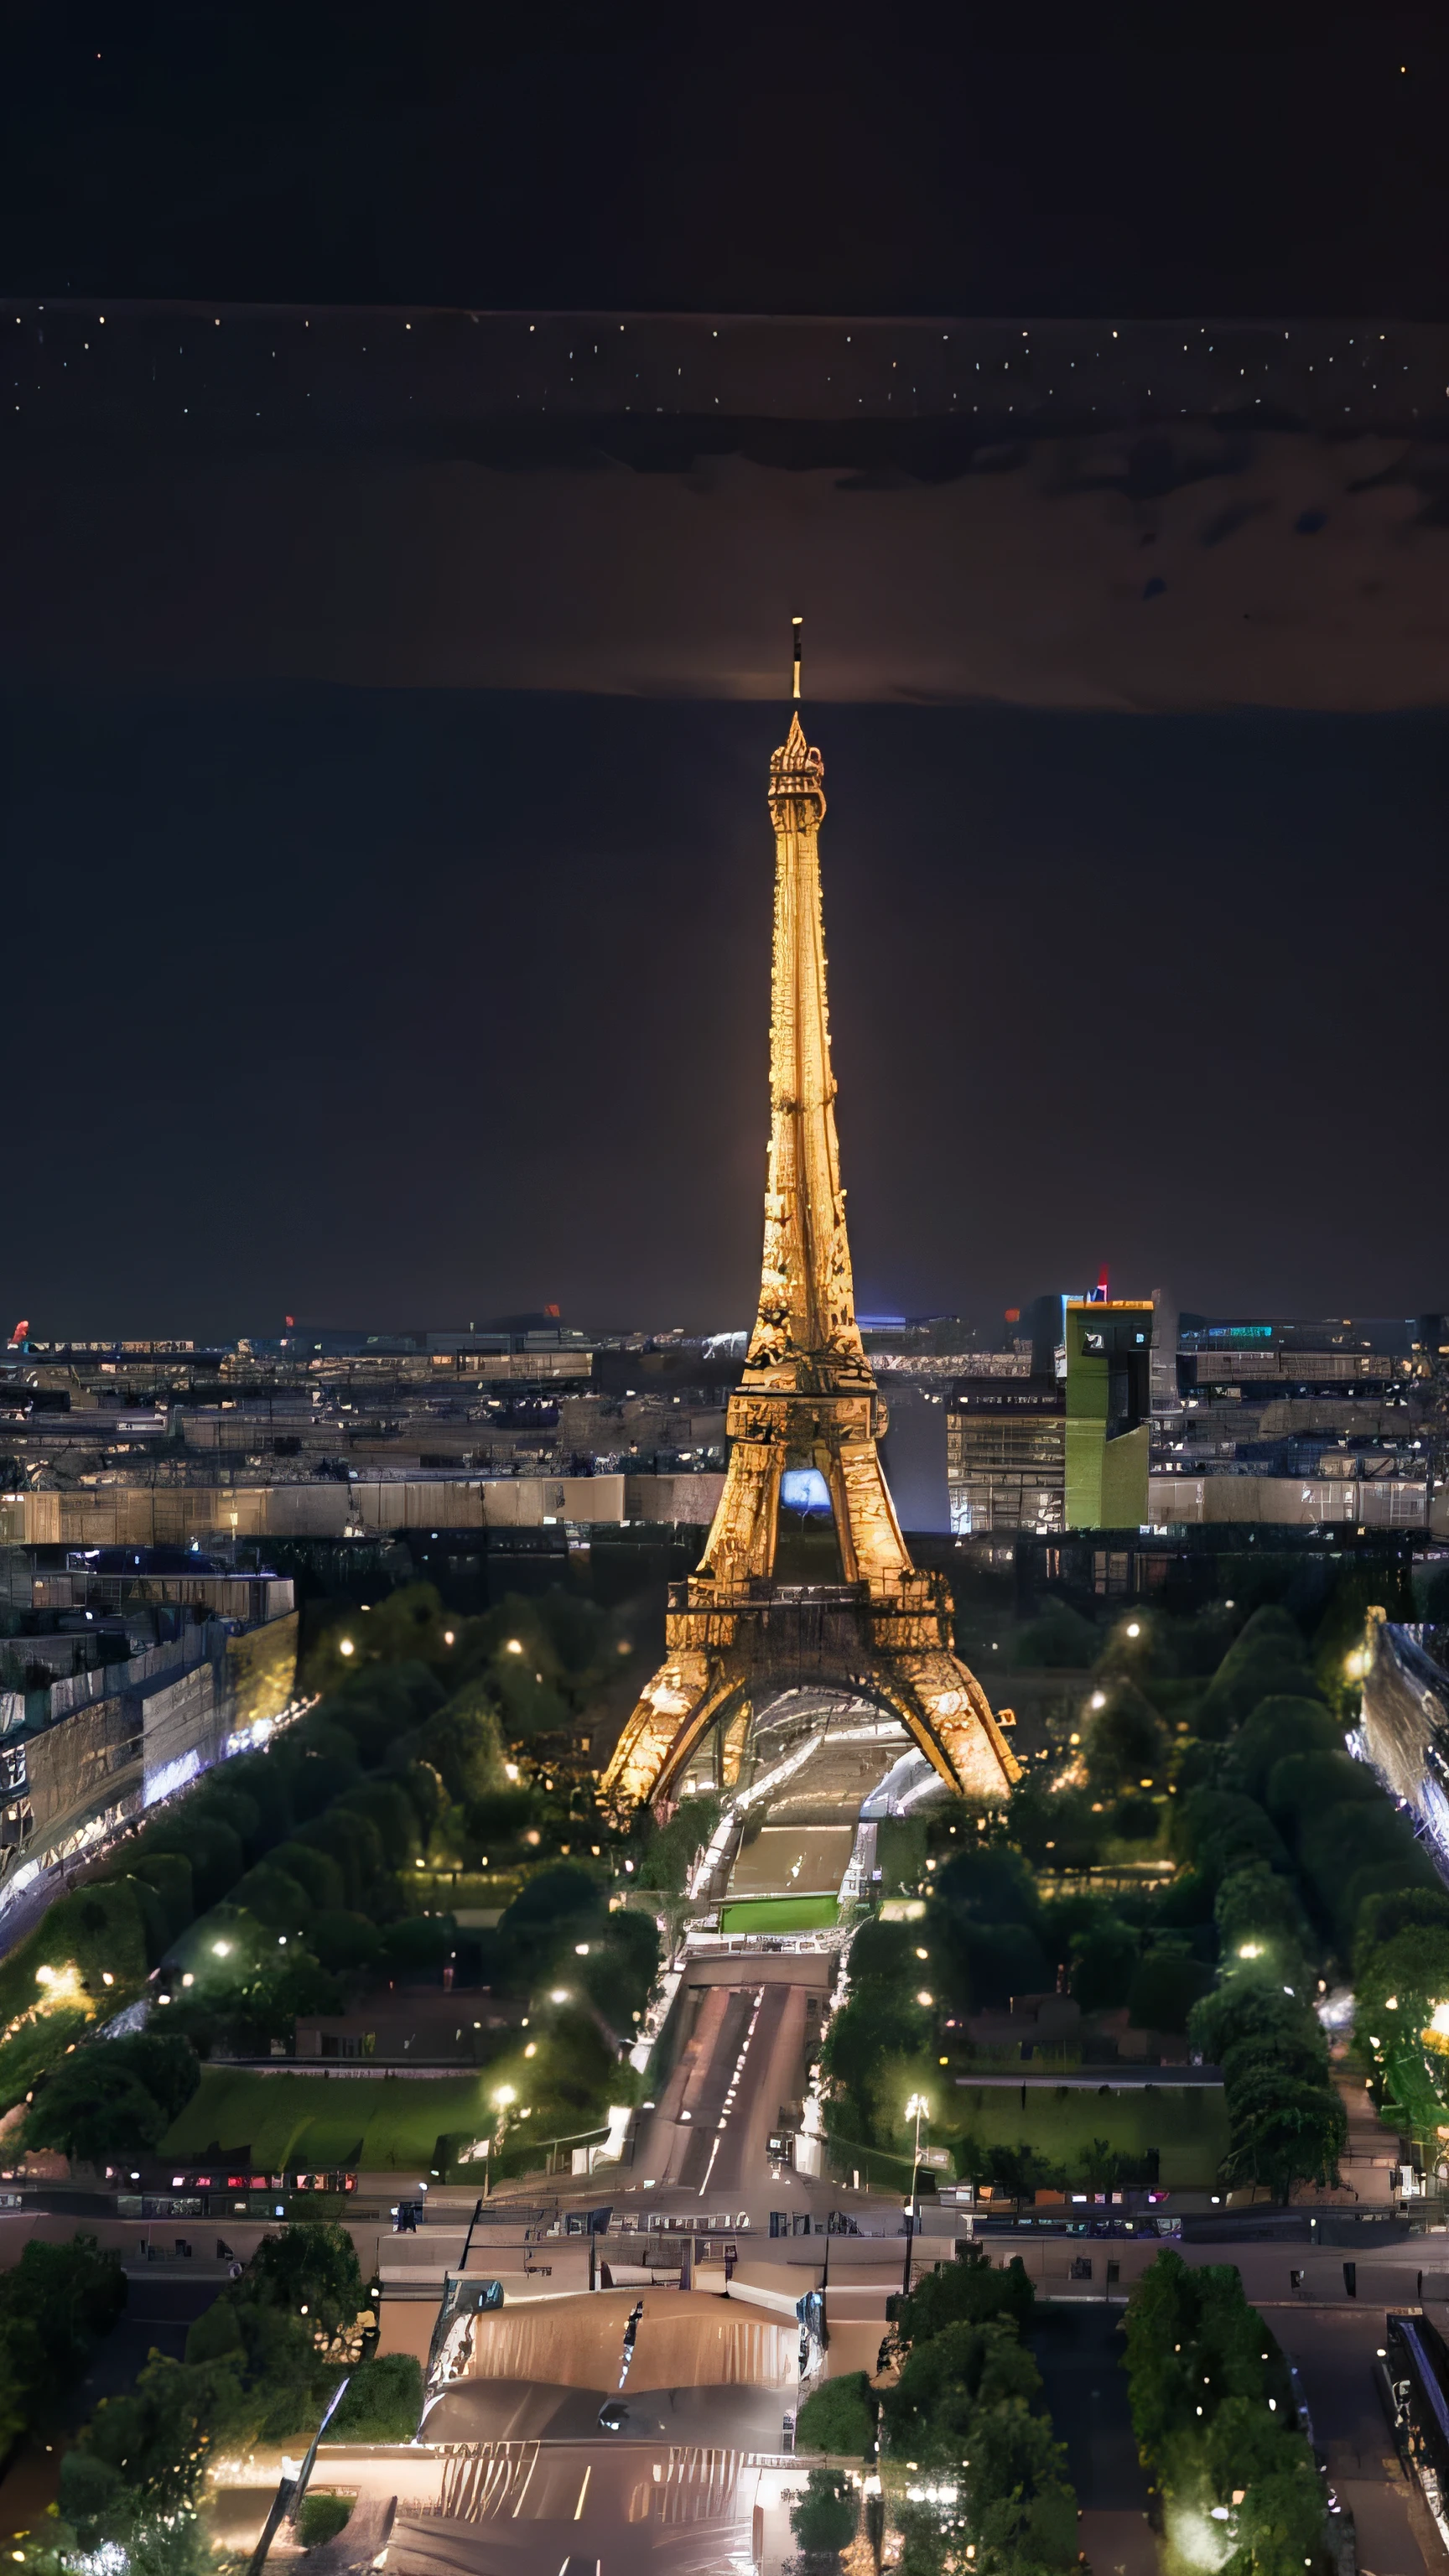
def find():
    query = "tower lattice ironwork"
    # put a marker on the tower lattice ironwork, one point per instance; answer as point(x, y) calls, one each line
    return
point(737, 1636)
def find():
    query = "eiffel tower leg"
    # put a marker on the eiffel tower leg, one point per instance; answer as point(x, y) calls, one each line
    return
point(689, 1691)
point(945, 1709)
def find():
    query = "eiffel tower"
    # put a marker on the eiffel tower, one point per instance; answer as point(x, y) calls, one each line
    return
point(738, 1633)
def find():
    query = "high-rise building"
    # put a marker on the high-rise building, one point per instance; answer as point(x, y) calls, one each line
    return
point(1006, 1455)
point(1301, 1422)
point(1108, 1411)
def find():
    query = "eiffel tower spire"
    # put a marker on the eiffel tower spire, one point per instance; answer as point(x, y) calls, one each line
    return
point(805, 1331)
point(807, 1399)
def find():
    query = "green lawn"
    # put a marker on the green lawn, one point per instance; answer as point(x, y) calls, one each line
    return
point(310, 2120)
point(779, 1914)
point(1189, 2127)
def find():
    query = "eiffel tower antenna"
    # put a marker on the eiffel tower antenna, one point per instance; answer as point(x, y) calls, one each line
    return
point(795, 625)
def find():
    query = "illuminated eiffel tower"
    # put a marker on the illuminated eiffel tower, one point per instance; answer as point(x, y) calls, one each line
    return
point(737, 1634)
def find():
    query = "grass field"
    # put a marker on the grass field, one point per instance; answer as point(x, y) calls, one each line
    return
point(1188, 2126)
point(779, 1914)
point(377, 2122)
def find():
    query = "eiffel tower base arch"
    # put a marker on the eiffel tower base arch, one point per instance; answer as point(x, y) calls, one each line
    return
point(890, 1646)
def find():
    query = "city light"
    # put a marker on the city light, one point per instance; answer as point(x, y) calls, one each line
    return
point(345, 1646)
point(221, 1949)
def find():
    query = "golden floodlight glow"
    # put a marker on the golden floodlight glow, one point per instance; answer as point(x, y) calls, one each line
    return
point(1436, 2035)
point(345, 1646)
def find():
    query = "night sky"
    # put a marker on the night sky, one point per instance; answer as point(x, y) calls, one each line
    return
point(403, 1005)
point(410, 1007)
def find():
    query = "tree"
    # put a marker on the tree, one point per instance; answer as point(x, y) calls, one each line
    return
point(54, 2304)
point(1103, 1962)
point(1283, 2130)
point(263, 2004)
point(387, 1807)
point(501, 1818)
point(1125, 1741)
point(343, 1942)
point(162, 2060)
point(1165, 1986)
point(989, 1883)
point(464, 1746)
point(971, 2290)
point(1019, 2501)
point(1277, 1728)
point(214, 1856)
point(839, 2417)
point(947, 2375)
point(669, 1851)
point(1303, 1784)
point(273, 1897)
point(154, 2440)
point(823, 2517)
point(1338, 1845)
point(355, 1843)
point(420, 1943)
point(313, 2269)
point(1404, 1983)
point(1395, 1910)
point(874, 2028)
point(95, 2109)
point(1218, 1830)
point(316, 1872)
point(169, 1873)
point(1266, 1660)
point(384, 2400)
point(1255, 1905)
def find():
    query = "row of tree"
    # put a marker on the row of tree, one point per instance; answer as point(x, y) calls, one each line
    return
point(1216, 2425)
point(967, 2456)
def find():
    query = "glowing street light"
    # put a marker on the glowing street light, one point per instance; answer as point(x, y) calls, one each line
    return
point(345, 1646)
point(918, 2108)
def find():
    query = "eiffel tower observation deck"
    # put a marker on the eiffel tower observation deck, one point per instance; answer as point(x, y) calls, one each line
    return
point(863, 1624)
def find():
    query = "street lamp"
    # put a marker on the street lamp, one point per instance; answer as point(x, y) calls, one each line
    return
point(919, 2109)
